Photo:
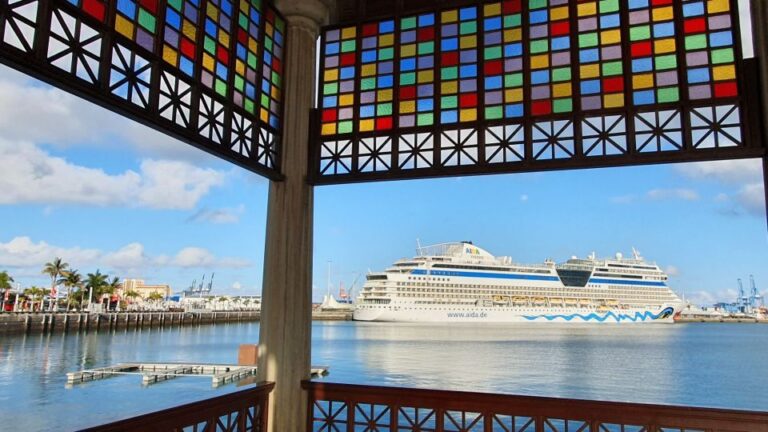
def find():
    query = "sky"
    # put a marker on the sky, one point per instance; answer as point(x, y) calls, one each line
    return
point(102, 192)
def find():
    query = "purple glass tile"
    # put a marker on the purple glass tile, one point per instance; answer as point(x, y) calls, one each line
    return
point(367, 97)
point(206, 78)
point(277, 51)
point(144, 39)
point(426, 90)
point(426, 62)
point(700, 92)
point(720, 22)
point(540, 92)
point(237, 98)
point(347, 86)
point(588, 24)
point(408, 37)
point(385, 67)
point(190, 11)
point(493, 98)
point(369, 42)
point(666, 78)
point(611, 52)
point(561, 58)
point(558, 2)
point(331, 61)
point(225, 22)
point(346, 113)
point(539, 31)
point(171, 37)
point(468, 85)
point(407, 121)
point(468, 56)
point(450, 30)
point(513, 64)
point(250, 75)
point(639, 17)
point(697, 58)
point(332, 35)
point(591, 103)
point(493, 38)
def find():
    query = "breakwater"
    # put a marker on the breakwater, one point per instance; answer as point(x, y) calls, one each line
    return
point(61, 322)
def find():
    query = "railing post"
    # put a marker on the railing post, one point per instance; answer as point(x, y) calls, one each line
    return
point(286, 320)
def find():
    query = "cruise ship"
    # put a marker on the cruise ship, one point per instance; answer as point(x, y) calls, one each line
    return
point(460, 282)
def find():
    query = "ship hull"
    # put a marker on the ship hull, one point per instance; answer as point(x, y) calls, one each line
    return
point(662, 315)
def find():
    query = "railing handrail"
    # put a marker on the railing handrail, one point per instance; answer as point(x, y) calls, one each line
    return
point(176, 418)
point(536, 406)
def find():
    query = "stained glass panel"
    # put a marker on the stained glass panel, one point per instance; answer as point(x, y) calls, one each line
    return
point(458, 65)
point(377, 76)
point(550, 57)
point(95, 8)
point(417, 73)
point(601, 71)
point(710, 52)
point(216, 45)
point(180, 34)
point(338, 81)
point(247, 55)
point(654, 52)
point(271, 82)
point(503, 73)
point(137, 20)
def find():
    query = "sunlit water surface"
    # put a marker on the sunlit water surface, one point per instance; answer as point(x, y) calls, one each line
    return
point(718, 365)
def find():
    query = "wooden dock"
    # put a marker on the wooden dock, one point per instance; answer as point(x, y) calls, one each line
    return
point(152, 373)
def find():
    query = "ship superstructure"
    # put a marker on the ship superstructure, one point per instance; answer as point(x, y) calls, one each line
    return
point(460, 282)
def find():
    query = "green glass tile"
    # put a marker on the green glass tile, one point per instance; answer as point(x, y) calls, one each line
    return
point(176, 4)
point(665, 62)
point(346, 46)
point(537, 4)
point(276, 79)
point(242, 21)
point(607, 6)
point(588, 40)
point(280, 25)
point(252, 60)
point(493, 53)
point(449, 73)
point(494, 113)
point(221, 87)
point(612, 68)
point(384, 109)
point(562, 105)
point(467, 28)
point(640, 33)
point(447, 102)
point(146, 20)
point(250, 106)
point(426, 48)
point(426, 119)
point(330, 88)
point(408, 78)
point(511, 21)
point(539, 46)
point(239, 82)
point(513, 80)
point(345, 127)
point(265, 101)
point(268, 43)
point(386, 54)
point(408, 23)
point(668, 95)
point(209, 45)
point(724, 55)
point(368, 84)
point(695, 42)
point(561, 74)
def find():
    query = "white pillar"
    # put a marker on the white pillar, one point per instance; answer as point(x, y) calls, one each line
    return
point(286, 312)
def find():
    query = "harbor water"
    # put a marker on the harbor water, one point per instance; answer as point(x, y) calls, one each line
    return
point(712, 365)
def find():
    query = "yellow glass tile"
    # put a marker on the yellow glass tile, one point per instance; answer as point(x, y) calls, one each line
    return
point(170, 55)
point(492, 9)
point(407, 107)
point(244, 6)
point(331, 75)
point(614, 100)
point(513, 95)
point(468, 42)
point(212, 11)
point(367, 125)
point(329, 129)
point(724, 73)
point(385, 95)
point(268, 29)
point(540, 61)
point(386, 40)
point(610, 37)
point(590, 71)
point(264, 115)
point(664, 46)
point(663, 14)
point(240, 67)
point(408, 50)
point(587, 9)
point(224, 38)
point(468, 115)
point(346, 100)
point(449, 87)
point(449, 16)
point(642, 81)
point(368, 70)
point(189, 30)
point(561, 90)
point(124, 27)
point(253, 46)
point(348, 33)
point(275, 93)
point(558, 13)
point(513, 35)
point(426, 76)
point(717, 6)
point(208, 62)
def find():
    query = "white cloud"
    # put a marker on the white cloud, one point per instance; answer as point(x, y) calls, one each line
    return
point(24, 253)
point(707, 298)
point(624, 199)
point(237, 286)
point(218, 216)
point(729, 171)
point(752, 198)
point(29, 174)
point(672, 271)
point(680, 194)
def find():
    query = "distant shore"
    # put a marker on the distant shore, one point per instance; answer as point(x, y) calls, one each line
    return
point(741, 320)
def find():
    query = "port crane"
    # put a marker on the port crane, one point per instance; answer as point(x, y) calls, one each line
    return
point(755, 299)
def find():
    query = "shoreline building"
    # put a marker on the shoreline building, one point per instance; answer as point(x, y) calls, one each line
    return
point(144, 289)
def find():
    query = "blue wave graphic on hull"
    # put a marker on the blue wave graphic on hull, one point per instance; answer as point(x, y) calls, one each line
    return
point(645, 316)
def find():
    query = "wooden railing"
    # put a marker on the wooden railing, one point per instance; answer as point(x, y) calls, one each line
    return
point(351, 408)
point(243, 411)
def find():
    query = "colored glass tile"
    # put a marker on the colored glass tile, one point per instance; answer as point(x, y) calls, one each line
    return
point(95, 8)
point(272, 69)
point(709, 49)
point(459, 65)
point(601, 70)
point(503, 71)
point(550, 57)
point(137, 20)
point(377, 62)
point(180, 34)
point(653, 51)
point(339, 73)
point(417, 71)
point(216, 45)
point(246, 80)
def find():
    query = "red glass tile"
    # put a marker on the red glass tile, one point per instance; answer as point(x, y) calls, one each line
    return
point(370, 29)
point(468, 100)
point(188, 48)
point(329, 115)
point(150, 5)
point(613, 84)
point(408, 92)
point(642, 49)
point(426, 34)
point(384, 123)
point(348, 59)
point(512, 6)
point(560, 28)
point(493, 68)
point(726, 89)
point(450, 58)
point(696, 25)
point(222, 54)
point(94, 8)
point(541, 107)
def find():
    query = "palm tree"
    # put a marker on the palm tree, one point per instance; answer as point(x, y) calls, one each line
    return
point(72, 279)
point(5, 280)
point(132, 295)
point(55, 270)
point(95, 282)
point(112, 287)
point(35, 294)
